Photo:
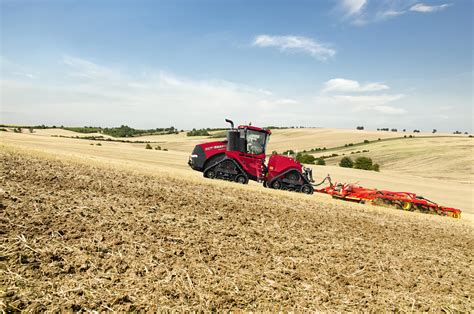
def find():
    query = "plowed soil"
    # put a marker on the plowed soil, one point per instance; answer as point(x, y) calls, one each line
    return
point(82, 237)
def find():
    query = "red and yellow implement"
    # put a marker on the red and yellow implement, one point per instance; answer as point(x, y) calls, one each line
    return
point(400, 200)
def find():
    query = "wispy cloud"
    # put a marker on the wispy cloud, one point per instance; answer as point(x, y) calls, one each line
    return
point(299, 44)
point(392, 13)
point(424, 8)
point(364, 103)
point(89, 70)
point(352, 7)
point(83, 92)
point(363, 12)
point(347, 94)
point(8, 67)
point(345, 85)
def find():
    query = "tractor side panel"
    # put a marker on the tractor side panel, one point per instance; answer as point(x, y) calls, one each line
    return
point(278, 164)
point(204, 152)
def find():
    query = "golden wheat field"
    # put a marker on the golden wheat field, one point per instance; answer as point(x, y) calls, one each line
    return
point(118, 227)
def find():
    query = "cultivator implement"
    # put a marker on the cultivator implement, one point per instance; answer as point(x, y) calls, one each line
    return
point(242, 157)
point(400, 200)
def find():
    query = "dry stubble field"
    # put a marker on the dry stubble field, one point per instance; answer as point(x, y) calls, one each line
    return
point(84, 236)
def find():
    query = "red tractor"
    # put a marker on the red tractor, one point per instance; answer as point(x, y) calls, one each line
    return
point(242, 158)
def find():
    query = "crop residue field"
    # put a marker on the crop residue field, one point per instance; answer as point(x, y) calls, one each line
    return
point(84, 237)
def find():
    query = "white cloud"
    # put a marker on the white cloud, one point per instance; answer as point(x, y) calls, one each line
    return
point(88, 70)
point(392, 13)
point(389, 110)
point(360, 103)
point(87, 93)
point(424, 8)
point(361, 12)
point(345, 85)
point(296, 44)
point(353, 7)
point(8, 67)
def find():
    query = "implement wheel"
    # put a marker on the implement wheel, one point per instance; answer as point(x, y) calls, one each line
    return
point(407, 206)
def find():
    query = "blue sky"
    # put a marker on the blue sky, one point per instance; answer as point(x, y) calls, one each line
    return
point(404, 64)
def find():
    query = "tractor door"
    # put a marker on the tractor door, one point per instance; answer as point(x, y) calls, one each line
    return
point(253, 157)
point(252, 164)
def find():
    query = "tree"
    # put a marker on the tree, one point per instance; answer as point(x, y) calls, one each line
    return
point(360, 128)
point(434, 131)
point(346, 162)
point(376, 167)
point(148, 146)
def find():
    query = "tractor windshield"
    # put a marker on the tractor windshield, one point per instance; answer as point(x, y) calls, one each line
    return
point(256, 142)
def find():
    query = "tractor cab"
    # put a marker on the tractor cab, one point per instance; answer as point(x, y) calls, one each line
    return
point(247, 139)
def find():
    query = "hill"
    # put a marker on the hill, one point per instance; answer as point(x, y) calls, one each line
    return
point(455, 192)
point(445, 158)
point(81, 235)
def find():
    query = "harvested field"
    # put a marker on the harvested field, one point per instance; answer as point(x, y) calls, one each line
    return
point(83, 237)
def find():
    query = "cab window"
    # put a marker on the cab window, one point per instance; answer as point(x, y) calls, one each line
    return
point(256, 142)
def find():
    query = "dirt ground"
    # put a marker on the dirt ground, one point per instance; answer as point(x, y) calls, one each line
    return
point(80, 236)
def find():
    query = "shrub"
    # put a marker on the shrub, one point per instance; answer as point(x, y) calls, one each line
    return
point(363, 163)
point(274, 152)
point(305, 158)
point(165, 149)
point(320, 161)
point(31, 130)
point(346, 162)
point(289, 152)
point(158, 147)
point(98, 144)
point(148, 146)
point(366, 141)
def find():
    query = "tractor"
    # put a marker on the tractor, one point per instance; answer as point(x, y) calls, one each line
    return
point(242, 157)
